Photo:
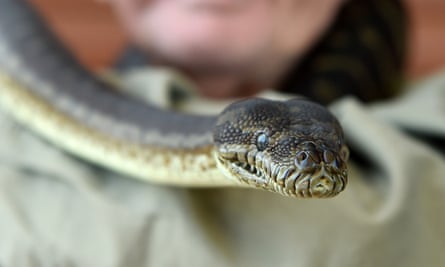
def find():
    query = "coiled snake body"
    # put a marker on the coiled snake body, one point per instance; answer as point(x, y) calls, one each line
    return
point(295, 148)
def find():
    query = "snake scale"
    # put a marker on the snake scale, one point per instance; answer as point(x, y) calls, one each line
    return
point(295, 148)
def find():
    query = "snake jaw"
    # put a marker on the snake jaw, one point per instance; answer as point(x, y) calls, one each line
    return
point(243, 165)
point(322, 179)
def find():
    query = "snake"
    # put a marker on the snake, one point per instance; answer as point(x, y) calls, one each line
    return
point(295, 148)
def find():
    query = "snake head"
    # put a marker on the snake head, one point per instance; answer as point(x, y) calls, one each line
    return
point(295, 148)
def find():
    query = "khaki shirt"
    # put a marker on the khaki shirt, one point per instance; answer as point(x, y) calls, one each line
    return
point(57, 210)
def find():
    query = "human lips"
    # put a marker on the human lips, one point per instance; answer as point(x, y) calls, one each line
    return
point(216, 5)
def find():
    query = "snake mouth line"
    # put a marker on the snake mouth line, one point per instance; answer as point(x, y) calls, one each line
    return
point(250, 168)
point(252, 171)
point(320, 181)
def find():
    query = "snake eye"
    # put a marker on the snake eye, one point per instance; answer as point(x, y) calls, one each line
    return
point(262, 141)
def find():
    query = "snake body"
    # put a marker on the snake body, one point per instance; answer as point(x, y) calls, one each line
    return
point(295, 148)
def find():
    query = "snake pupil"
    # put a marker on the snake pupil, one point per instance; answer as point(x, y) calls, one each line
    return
point(262, 141)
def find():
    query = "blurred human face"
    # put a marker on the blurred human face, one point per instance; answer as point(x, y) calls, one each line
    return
point(256, 39)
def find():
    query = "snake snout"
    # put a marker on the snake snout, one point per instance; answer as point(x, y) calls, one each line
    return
point(322, 186)
point(322, 171)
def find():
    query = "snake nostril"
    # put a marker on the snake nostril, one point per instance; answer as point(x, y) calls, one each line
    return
point(302, 156)
point(328, 157)
point(344, 153)
point(303, 159)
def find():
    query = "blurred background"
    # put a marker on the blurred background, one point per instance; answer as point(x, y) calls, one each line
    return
point(91, 31)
